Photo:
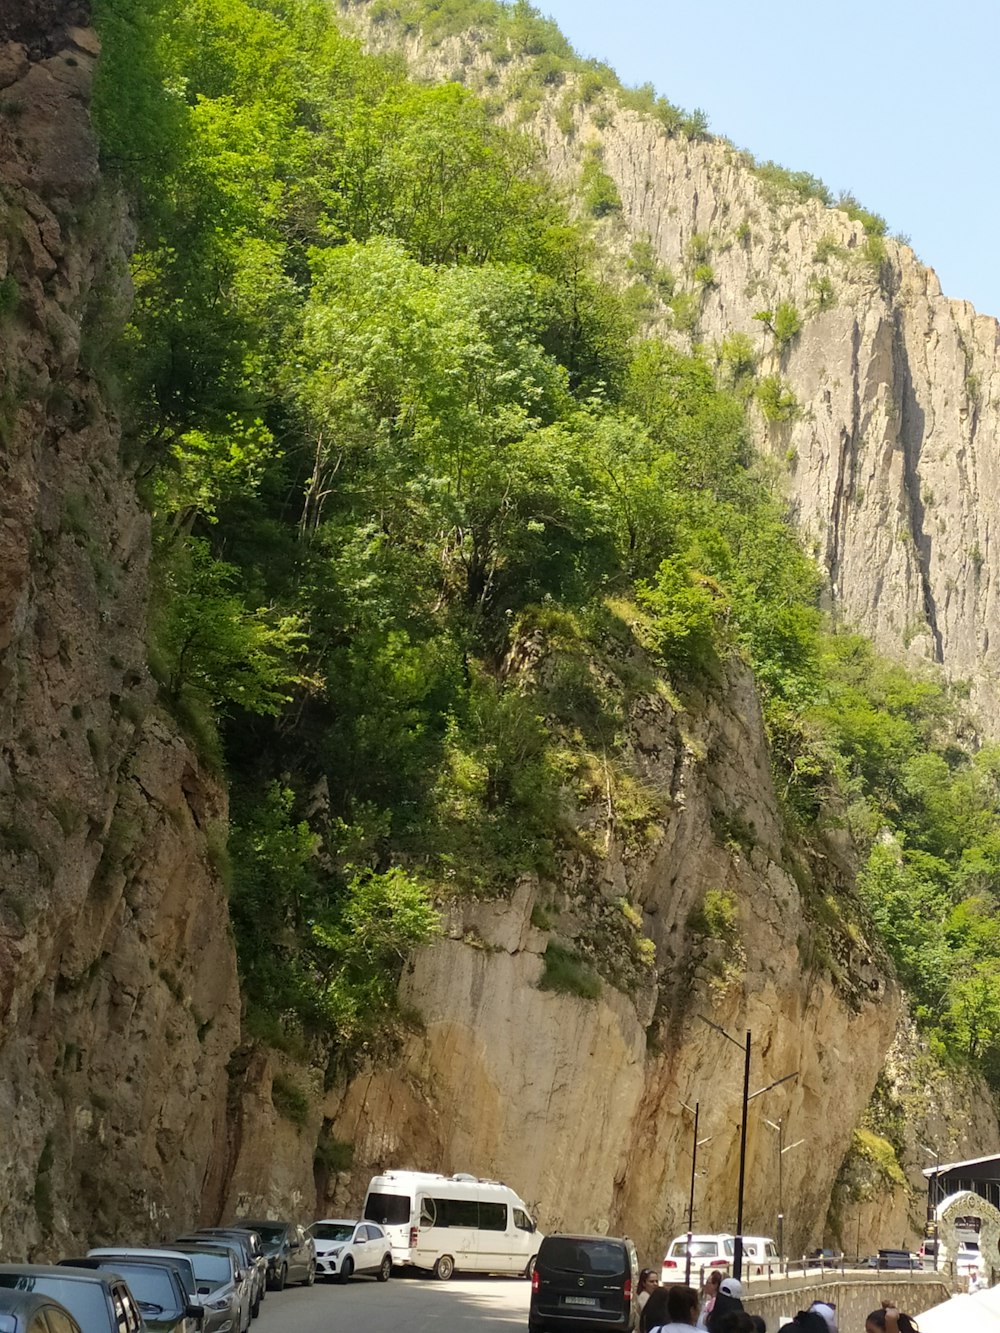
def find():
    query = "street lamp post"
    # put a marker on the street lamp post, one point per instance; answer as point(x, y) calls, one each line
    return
point(782, 1149)
point(748, 1097)
point(696, 1143)
point(931, 1207)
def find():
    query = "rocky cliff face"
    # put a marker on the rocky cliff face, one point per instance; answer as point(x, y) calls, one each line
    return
point(578, 1103)
point(118, 995)
point(889, 456)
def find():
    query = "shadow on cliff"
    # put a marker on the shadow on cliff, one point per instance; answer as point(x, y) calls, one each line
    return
point(40, 25)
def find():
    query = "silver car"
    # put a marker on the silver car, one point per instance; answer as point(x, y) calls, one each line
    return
point(211, 1277)
point(242, 1278)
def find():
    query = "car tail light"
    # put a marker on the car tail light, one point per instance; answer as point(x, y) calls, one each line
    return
point(627, 1293)
point(718, 1263)
point(413, 1238)
point(535, 1280)
point(670, 1263)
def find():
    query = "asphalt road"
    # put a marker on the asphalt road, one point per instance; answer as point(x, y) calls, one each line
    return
point(404, 1304)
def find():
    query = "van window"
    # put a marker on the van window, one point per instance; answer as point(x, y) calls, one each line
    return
point(457, 1212)
point(390, 1209)
point(574, 1256)
point(492, 1217)
point(522, 1221)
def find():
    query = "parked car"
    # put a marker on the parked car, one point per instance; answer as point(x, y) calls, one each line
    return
point(706, 1252)
point(345, 1246)
point(584, 1283)
point(291, 1256)
point(158, 1291)
point(968, 1260)
point(25, 1312)
point(824, 1258)
point(256, 1250)
point(256, 1278)
point(894, 1259)
point(202, 1279)
point(242, 1280)
point(760, 1256)
point(99, 1302)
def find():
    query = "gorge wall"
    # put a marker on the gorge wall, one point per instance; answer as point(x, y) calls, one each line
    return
point(131, 1107)
point(119, 1005)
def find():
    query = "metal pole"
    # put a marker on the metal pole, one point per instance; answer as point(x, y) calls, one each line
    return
point(694, 1167)
point(781, 1210)
point(738, 1245)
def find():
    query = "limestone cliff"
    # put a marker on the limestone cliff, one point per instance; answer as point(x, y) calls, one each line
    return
point(889, 448)
point(118, 995)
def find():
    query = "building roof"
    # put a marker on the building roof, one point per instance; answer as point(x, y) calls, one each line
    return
point(976, 1168)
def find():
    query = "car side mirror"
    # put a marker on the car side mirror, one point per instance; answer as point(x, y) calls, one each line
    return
point(195, 1312)
point(358, 1240)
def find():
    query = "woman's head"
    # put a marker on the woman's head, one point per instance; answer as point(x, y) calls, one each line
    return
point(648, 1280)
point(714, 1279)
point(656, 1311)
point(682, 1305)
point(875, 1323)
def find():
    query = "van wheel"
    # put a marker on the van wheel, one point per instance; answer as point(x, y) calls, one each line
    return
point(529, 1268)
point(444, 1268)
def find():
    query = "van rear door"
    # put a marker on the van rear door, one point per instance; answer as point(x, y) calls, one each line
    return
point(581, 1279)
point(392, 1211)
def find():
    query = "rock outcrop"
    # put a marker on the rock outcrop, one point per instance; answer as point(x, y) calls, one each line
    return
point(579, 1103)
point(119, 1005)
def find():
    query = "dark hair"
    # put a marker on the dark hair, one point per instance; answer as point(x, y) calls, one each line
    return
point(907, 1324)
point(734, 1321)
point(714, 1278)
point(655, 1312)
point(758, 1323)
point(681, 1303)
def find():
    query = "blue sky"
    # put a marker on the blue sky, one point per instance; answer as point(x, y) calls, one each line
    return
point(896, 102)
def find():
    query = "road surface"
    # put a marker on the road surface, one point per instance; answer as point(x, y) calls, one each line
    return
point(402, 1305)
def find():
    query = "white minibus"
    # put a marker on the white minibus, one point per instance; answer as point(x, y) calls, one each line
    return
point(443, 1223)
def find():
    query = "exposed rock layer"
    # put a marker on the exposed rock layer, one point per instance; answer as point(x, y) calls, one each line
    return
point(118, 996)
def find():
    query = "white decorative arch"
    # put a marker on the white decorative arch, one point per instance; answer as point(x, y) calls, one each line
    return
point(967, 1204)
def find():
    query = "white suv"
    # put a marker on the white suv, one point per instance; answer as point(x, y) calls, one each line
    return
point(707, 1252)
point(345, 1246)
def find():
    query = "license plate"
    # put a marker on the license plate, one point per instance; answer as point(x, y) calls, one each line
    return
point(581, 1300)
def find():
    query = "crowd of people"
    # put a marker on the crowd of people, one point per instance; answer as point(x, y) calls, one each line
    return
point(718, 1308)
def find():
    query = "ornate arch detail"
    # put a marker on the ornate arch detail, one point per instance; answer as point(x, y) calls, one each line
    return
point(967, 1204)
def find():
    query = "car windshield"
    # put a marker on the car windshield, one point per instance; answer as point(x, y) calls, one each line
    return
point(150, 1286)
point(700, 1249)
point(85, 1301)
point(213, 1268)
point(333, 1230)
point(390, 1209)
point(269, 1234)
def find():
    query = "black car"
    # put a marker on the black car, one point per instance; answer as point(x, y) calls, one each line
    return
point(824, 1259)
point(99, 1302)
point(584, 1282)
point(291, 1256)
point(894, 1259)
point(158, 1290)
point(24, 1312)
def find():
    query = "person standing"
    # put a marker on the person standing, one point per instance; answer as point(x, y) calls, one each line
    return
point(648, 1282)
point(671, 1310)
point(708, 1294)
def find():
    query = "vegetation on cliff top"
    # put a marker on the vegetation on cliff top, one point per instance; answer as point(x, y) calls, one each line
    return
point(392, 427)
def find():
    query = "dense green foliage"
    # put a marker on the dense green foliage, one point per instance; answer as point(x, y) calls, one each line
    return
point(395, 432)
